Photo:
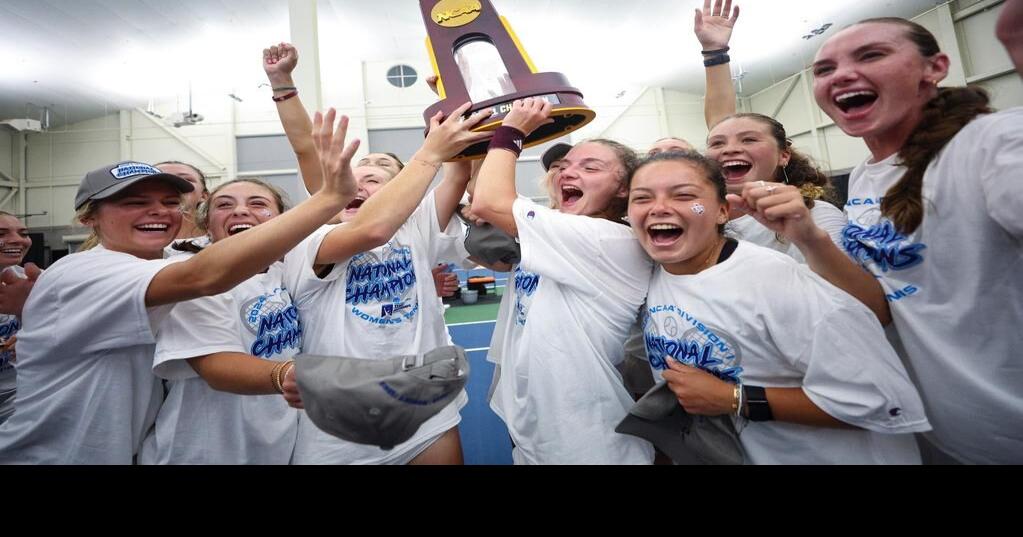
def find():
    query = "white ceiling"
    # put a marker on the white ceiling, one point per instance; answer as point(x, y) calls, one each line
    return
point(87, 58)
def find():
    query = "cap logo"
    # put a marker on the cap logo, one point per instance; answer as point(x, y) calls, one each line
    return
point(131, 169)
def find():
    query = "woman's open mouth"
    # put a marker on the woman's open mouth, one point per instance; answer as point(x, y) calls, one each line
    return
point(664, 234)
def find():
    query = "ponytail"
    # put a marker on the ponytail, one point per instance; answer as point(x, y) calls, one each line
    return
point(943, 117)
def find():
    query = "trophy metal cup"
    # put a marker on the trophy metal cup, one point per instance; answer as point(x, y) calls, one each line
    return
point(477, 57)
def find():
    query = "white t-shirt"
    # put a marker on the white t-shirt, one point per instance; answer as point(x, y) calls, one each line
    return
point(9, 326)
point(561, 333)
point(746, 228)
point(86, 392)
point(201, 241)
point(827, 217)
point(954, 286)
point(199, 425)
point(762, 319)
point(376, 305)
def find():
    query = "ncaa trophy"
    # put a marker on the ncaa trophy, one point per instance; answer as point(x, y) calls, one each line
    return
point(477, 57)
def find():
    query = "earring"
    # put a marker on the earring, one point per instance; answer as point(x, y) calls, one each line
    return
point(785, 173)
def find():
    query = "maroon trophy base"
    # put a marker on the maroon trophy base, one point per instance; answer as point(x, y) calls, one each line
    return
point(569, 112)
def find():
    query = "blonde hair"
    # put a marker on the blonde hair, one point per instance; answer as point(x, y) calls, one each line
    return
point(86, 212)
point(547, 184)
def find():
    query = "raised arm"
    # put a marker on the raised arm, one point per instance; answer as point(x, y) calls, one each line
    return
point(228, 262)
point(387, 210)
point(449, 192)
point(781, 209)
point(494, 193)
point(713, 29)
point(279, 61)
point(1009, 30)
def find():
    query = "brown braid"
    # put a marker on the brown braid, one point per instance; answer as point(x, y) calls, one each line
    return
point(943, 117)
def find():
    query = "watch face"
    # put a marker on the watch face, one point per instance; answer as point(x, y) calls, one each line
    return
point(756, 403)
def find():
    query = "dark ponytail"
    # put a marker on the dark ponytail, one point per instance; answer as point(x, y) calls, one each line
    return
point(943, 117)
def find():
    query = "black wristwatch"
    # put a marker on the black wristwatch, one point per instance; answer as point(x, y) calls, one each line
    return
point(757, 408)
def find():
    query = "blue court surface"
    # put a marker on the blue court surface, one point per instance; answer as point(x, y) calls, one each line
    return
point(485, 438)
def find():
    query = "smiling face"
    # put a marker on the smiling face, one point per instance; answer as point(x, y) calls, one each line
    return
point(381, 160)
point(14, 240)
point(589, 178)
point(140, 220)
point(874, 82)
point(238, 207)
point(746, 150)
point(675, 211)
point(370, 180)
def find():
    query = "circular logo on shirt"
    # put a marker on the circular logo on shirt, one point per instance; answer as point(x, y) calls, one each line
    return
point(671, 332)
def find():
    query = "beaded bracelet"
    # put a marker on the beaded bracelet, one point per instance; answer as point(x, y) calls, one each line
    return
point(283, 372)
point(274, 377)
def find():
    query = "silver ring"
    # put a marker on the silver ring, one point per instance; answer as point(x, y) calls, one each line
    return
point(769, 189)
point(761, 184)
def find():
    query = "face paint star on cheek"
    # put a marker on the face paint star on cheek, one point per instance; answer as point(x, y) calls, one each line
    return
point(698, 208)
point(265, 213)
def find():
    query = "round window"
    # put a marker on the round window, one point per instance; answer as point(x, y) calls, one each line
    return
point(402, 76)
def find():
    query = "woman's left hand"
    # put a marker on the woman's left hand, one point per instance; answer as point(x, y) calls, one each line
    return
point(528, 114)
point(698, 391)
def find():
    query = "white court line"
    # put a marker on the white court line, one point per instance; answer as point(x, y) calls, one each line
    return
point(474, 322)
point(478, 349)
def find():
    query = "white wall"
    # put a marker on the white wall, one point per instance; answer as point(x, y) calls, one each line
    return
point(659, 113)
point(6, 153)
point(7, 165)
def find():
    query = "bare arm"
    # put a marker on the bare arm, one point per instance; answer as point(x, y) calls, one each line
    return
point(1009, 30)
point(228, 262)
point(449, 192)
point(494, 193)
point(781, 209)
point(703, 394)
point(279, 62)
point(235, 372)
point(387, 210)
point(713, 29)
